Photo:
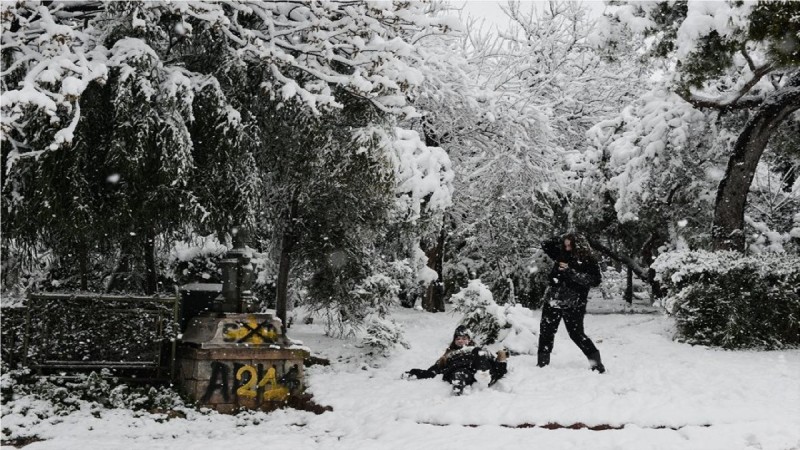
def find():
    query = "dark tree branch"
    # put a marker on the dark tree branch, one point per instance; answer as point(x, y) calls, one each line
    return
point(747, 58)
point(739, 101)
point(626, 260)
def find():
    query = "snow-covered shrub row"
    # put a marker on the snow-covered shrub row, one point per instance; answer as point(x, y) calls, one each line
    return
point(12, 334)
point(29, 400)
point(96, 329)
point(732, 301)
point(510, 326)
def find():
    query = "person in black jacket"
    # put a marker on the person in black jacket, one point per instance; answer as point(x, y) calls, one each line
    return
point(575, 271)
point(461, 361)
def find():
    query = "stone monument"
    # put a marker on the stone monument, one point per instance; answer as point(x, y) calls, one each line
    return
point(233, 357)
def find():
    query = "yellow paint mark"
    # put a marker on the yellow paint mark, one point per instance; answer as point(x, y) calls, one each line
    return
point(260, 336)
point(247, 389)
point(275, 392)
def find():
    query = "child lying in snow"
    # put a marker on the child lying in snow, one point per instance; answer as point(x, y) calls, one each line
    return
point(462, 361)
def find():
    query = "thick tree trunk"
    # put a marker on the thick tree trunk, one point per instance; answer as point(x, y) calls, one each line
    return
point(728, 227)
point(629, 287)
point(287, 245)
point(433, 300)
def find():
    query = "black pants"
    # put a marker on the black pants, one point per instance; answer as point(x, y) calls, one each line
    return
point(573, 319)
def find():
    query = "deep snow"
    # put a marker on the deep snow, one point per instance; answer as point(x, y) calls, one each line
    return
point(664, 395)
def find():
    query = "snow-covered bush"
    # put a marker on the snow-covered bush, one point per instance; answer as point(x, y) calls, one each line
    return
point(355, 306)
point(30, 400)
point(481, 314)
point(728, 300)
point(382, 335)
point(197, 261)
point(522, 282)
point(511, 326)
point(12, 336)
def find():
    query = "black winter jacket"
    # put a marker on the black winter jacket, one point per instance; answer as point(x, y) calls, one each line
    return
point(569, 288)
point(467, 360)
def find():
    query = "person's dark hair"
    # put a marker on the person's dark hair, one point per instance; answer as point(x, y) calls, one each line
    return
point(461, 330)
point(580, 245)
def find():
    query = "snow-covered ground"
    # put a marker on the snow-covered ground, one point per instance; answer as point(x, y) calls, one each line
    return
point(657, 394)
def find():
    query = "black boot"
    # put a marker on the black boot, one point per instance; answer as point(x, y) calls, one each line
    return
point(544, 359)
point(595, 362)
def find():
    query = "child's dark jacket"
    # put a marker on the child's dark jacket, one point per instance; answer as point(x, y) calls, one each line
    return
point(467, 360)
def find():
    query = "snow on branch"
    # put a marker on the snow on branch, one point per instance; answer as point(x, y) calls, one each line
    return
point(311, 49)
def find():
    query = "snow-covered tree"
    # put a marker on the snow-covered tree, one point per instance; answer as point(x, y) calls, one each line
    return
point(731, 74)
point(511, 110)
point(211, 100)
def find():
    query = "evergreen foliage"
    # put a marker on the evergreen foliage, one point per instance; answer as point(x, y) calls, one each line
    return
point(732, 67)
point(382, 335)
point(482, 315)
point(725, 300)
point(93, 390)
point(129, 126)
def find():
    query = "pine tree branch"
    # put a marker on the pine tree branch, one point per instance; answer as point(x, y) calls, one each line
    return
point(738, 101)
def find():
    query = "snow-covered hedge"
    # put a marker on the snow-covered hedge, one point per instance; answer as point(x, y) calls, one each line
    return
point(732, 301)
point(29, 400)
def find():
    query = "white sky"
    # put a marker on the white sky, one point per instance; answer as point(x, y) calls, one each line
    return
point(490, 11)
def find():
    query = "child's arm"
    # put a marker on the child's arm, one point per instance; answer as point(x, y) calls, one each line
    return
point(552, 247)
point(590, 278)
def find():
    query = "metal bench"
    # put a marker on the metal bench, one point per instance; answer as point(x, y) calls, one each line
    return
point(93, 331)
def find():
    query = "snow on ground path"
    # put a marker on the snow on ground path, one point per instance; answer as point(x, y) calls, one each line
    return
point(662, 394)
point(723, 399)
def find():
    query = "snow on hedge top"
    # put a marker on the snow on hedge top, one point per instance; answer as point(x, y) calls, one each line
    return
point(675, 267)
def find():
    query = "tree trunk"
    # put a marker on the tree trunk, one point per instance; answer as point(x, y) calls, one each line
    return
point(629, 287)
point(83, 264)
point(287, 245)
point(438, 299)
point(151, 274)
point(119, 279)
point(433, 301)
point(728, 227)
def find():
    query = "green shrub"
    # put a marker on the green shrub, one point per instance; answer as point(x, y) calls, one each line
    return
point(732, 301)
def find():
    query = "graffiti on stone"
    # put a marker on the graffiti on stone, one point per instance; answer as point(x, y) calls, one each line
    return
point(252, 382)
point(218, 381)
point(250, 331)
